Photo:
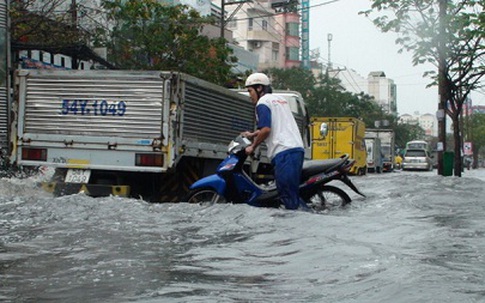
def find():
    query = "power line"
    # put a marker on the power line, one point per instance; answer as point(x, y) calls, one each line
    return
point(298, 10)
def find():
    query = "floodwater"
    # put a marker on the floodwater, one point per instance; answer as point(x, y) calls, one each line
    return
point(417, 237)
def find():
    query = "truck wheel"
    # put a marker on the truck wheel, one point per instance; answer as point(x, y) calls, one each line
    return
point(204, 196)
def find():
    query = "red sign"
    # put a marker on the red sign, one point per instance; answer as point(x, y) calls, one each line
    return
point(467, 148)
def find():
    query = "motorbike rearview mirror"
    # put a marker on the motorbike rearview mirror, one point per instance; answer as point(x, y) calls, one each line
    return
point(323, 129)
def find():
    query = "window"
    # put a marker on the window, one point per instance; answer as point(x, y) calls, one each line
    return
point(250, 24)
point(415, 153)
point(292, 29)
point(264, 25)
point(274, 55)
point(292, 53)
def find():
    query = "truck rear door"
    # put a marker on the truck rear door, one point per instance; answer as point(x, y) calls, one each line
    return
point(113, 120)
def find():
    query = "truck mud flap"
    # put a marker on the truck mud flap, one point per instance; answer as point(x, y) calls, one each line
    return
point(175, 186)
point(94, 190)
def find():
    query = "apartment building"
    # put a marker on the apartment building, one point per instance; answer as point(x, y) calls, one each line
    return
point(268, 29)
point(428, 122)
point(384, 91)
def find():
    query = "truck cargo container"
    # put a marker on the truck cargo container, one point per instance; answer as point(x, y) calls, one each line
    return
point(386, 136)
point(333, 137)
point(374, 154)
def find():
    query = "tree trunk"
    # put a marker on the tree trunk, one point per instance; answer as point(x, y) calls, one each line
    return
point(475, 160)
point(458, 165)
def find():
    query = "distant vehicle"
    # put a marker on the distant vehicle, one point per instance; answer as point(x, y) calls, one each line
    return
point(374, 155)
point(333, 137)
point(387, 146)
point(417, 159)
point(417, 144)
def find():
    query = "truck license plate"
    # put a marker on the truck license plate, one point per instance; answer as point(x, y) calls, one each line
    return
point(75, 175)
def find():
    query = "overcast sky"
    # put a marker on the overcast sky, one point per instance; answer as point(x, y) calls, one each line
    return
point(357, 44)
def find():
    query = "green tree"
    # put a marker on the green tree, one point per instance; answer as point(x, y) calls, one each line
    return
point(146, 34)
point(450, 40)
point(326, 97)
point(47, 24)
point(297, 79)
point(477, 129)
point(329, 99)
point(407, 132)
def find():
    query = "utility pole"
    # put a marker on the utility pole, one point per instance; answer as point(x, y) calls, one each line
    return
point(442, 89)
point(329, 40)
point(223, 19)
point(75, 61)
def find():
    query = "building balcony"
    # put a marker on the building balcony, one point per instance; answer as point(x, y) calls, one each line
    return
point(261, 35)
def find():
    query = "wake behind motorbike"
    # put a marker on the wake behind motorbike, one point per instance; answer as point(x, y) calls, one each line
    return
point(232, 184)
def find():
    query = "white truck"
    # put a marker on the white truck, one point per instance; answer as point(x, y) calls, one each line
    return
point(374, 155)
point(386, 136)
point(129, 133)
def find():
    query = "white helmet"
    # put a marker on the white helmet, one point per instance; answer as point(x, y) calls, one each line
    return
point(257, 78)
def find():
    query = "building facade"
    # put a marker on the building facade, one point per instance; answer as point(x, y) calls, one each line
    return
point(428, 122)
point(351, 80)
point(265, 29)
point(254, 29)
point(384, 91)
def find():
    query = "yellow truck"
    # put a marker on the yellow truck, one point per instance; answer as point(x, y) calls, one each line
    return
point(333, 137)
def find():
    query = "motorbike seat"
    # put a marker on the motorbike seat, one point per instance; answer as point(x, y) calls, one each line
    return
point(313, 167)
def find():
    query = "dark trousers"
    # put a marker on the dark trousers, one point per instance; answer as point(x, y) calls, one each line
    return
point(287, 173)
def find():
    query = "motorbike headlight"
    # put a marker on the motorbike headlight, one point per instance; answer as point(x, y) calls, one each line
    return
point(232, 146)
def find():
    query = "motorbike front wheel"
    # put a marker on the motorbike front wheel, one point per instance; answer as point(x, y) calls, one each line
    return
point(328, 197)
point(204, 196)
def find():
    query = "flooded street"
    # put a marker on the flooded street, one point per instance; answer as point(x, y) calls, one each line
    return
point(417, 237)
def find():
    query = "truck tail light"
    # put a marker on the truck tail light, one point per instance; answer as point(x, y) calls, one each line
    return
point(149, 160)
point(37, 154)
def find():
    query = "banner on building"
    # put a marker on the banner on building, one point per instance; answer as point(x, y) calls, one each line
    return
point(29, 63)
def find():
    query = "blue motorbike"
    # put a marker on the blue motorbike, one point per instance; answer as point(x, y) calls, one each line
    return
point(232, 184)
